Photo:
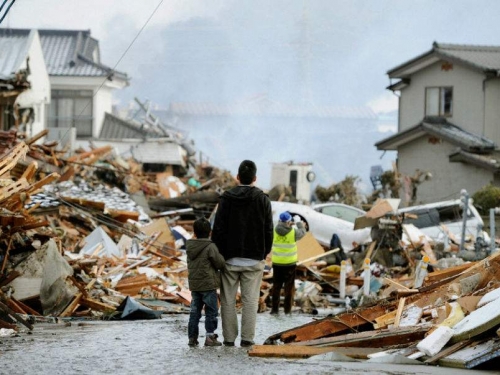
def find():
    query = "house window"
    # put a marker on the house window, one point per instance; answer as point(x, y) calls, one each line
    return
point(72, 108)
point(439, 101)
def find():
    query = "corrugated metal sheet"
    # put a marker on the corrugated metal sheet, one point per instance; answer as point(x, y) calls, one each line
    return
point(14, 47)
point(155, 151)
point(159, 152)
point(116, 128)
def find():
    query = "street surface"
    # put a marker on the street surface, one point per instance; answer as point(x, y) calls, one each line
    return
point(160, 347)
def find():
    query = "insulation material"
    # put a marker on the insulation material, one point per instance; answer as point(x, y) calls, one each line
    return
point(433, 343)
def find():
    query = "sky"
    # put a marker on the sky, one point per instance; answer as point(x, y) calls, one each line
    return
point(325, 52)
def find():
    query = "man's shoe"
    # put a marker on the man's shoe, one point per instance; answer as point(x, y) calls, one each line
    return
point(246, 344)
point(193, 342)
point(211, 340)
point(273, 312)
point(228, 343)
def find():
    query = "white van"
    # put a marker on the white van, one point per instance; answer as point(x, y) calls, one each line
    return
point(431, 216)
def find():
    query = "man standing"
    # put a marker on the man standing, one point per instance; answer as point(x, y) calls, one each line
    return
point(243, 232)
point(284, 258)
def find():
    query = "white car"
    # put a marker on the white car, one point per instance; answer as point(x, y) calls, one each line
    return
point(339, 210)
point(431, 217)
point(324, 226)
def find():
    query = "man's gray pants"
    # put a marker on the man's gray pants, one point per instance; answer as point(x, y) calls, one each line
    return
point(248, 278)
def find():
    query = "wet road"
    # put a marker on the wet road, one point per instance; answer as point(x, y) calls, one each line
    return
point(160, 347)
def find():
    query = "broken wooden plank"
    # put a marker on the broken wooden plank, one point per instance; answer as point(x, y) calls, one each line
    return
point(13, 188)
point(8, 162)
point(96, 305)
point(314, 257)
point(382, 338)
point(301, 351)
point(385, 320)
point(401, 306)
point(14, 315)
point(37, 136)
point(435, 276)
point(26, 308)
point(73, 305)
point(332, 325)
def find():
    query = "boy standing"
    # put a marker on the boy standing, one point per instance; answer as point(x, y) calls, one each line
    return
point(204, 261)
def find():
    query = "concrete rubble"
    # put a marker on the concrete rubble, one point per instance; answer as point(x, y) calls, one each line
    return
point(93, 236)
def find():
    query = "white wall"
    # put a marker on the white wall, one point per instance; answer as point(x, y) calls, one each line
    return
point(468, 96)
point(447, 178)
point(103, 102)
point(39, 94)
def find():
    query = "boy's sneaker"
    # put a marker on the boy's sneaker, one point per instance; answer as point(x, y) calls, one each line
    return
point(211, 340)
point(193, 342)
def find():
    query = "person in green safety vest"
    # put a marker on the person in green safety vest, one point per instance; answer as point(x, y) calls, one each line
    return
point(284, 258)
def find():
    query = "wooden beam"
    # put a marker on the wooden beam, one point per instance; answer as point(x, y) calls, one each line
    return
point(96, 305)
point(300, 351)
point(401, 306)
point(14, 315)
point(72, 306)
point(382, 338)
point(37, 136)
point(446, 273)
point(26, 308)
point(318, 256)
point(9, 278)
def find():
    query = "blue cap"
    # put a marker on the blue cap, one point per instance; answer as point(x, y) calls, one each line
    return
point(285, 216)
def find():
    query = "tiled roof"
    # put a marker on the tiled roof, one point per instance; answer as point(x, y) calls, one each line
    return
point(268, 108)
point(73, 53)
point(70, 53)
point(441, 128)
point(14, 46)
point(490, 161)
point(483, 58)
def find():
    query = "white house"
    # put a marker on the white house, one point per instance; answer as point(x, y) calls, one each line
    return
point(69, 86)
point(81, 85)
point(21, 60)
point(449, 120)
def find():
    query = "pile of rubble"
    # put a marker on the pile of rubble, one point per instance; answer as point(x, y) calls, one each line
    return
point(432, 307)
point(94, 236)
point(453, 320)
point(73, 244)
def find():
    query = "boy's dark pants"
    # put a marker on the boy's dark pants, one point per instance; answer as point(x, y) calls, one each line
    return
point(283, 275)
point(198, 300)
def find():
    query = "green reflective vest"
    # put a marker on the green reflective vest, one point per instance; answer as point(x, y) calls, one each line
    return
point(284, 248)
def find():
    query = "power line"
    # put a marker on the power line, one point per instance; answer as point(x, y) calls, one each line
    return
point(6, 10)
point(122, 56)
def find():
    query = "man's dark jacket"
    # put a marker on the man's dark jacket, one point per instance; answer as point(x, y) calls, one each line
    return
point(243, 225)
point(203, 261)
